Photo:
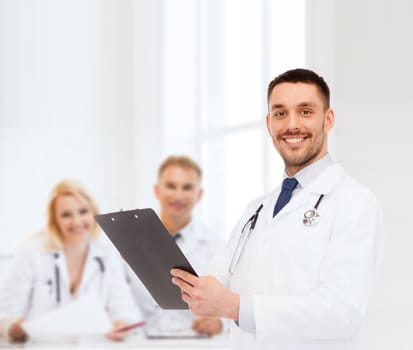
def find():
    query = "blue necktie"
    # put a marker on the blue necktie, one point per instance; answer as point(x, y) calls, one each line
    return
point(287, 190)
point(176, 236)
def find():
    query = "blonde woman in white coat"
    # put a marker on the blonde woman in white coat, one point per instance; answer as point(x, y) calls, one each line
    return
point(64, 262)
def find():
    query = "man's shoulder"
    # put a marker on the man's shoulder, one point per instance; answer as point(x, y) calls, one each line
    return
point(351, 189)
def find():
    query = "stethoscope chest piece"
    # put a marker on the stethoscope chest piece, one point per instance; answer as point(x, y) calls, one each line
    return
point(311, 217)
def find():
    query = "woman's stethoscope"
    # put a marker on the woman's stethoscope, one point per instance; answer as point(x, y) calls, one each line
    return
point(311, 218)
point(57, 275)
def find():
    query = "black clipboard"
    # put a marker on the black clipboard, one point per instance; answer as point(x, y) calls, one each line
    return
point(150, 251)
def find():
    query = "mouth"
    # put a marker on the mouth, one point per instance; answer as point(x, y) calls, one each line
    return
point(177, 206)
point(294, 141)
point(79, 230)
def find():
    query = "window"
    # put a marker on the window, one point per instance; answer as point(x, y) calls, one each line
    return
point(219, 56)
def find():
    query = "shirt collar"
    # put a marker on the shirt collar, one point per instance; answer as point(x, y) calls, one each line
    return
point(185, 231)
point(94, 250)
point(308, 174)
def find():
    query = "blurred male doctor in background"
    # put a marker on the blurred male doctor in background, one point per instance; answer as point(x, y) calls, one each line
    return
point(178, 190)
point(301, 261)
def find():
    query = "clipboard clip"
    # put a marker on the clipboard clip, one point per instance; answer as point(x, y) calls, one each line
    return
point(113, 218)
point(136, 216)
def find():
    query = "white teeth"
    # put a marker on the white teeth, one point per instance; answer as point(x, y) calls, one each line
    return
point(78, 230)
point(296, 140)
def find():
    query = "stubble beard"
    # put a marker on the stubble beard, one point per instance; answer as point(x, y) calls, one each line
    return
point(300, 158)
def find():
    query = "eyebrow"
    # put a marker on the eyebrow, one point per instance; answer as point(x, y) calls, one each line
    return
point(301, 104)
point(306, 104)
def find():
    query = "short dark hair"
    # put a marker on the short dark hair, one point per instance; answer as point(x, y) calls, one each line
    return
point(301, 75)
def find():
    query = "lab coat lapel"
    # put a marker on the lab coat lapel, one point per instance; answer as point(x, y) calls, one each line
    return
point(323, 184)
point(187, 242)
point(299, 200)
point(61, 264)
point(91, 265)
point(326, 181)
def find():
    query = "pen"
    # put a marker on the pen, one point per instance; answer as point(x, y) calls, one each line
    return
point(131, 326)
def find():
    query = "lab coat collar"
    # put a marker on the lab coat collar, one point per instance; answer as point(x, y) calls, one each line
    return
point(186, 231)
point(95, 252)
point(189, 239)
point(322, 184)
point(60, 262)
point(194, 231)
point(92, 265)
point(326, 181)
point(307, 175)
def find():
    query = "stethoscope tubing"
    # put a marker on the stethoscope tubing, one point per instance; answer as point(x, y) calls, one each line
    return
point(311, 218)
point(57, 275)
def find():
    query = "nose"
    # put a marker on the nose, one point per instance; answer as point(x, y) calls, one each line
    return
point(77, 220)
point(179, 194)
point(293, 121)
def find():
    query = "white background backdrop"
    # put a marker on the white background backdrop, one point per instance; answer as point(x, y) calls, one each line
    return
point(85, 92)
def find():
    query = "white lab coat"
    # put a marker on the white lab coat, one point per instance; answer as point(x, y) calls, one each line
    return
point(309, 285)
point(199, 244)
point(31, 286)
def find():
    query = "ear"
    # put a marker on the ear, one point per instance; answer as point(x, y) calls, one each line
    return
point(268, 123)
point(329, 120)
point(200, 194)
point(156, 190)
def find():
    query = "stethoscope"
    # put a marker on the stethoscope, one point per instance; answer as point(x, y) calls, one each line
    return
point(57, 274)
point(243, 240)
point(311, 218)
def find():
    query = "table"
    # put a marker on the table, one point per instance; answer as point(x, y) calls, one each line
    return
point(138, 341)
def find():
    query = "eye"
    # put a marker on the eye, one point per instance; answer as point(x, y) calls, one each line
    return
point(306, 112)
point(170, 186)
point(65, 214)
point(188, 187)
point(279, 114)
point(84, 211)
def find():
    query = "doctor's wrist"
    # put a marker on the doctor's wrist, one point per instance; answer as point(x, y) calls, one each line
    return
point(232, 309)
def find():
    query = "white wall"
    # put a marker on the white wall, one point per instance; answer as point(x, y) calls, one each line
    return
point(148, 95)
point(66, 106)
point(365, 48)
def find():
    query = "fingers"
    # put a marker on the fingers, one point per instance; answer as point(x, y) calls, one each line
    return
point(17, 333)
point(186, 298)
point(183, 285)
point(206, 325)
point(185, 276)
point(117, 334)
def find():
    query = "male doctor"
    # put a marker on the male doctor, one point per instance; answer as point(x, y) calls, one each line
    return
point(179, 190)
point(301, 261)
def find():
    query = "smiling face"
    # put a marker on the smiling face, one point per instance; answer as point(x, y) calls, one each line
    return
point(74, 218)
point(178, 190)
point(298, 123)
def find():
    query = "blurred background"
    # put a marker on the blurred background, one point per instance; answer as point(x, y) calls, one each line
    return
point(103, 90)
